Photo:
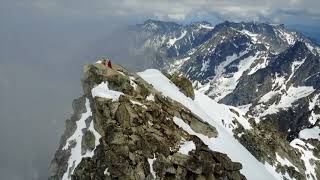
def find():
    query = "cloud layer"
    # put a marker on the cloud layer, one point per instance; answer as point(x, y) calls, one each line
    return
point(279, 11)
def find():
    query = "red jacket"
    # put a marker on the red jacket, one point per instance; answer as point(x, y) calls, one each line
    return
point(109, 64)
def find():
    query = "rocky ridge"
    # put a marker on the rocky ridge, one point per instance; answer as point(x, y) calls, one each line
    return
point(123, 128)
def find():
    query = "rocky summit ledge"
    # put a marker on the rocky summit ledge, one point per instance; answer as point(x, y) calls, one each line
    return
point(123, 128)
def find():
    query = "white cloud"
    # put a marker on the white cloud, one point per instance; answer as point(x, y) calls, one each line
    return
point(236, 10)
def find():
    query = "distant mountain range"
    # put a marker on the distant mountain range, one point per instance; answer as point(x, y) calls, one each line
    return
point(269, 71)
point(223, 60)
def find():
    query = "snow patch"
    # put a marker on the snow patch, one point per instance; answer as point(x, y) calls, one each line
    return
point(250, 34)
point(106, 172)
point(151, 161)
point(285, 162)
point(225, 83)
point(173, 40)
point(205, 26)
point(311, 48)
point(313, 117)
point(266, 97)
point(150, 26)
point(177, 64)
point(307, 156)
point(294, 67)
point(287, 99)
point(315, 101)
point(138, 103)
point(278, 81)
point(186, 147)
point(261, 65)
point(203, 88)
point(312, 133)
point(294, 93)
point(181, 61)
point(132, 83)
point(245, 108)
point(220, 69)
point(76, 156)
point(288, 37)
point(205, 65)
point(279, 88)
point(150, 97)
point(102, 90)
point(120, 72)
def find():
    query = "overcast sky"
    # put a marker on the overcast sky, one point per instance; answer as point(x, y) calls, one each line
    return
point(44, 43)
point(278, 11)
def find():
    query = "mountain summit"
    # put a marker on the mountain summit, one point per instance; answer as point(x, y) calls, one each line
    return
point(123, 128)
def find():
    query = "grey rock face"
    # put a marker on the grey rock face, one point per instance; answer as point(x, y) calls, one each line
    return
point(140, 140)
point(184, 84)
point(58, 165)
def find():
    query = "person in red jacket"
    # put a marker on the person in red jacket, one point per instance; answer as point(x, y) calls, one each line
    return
point(109, 64)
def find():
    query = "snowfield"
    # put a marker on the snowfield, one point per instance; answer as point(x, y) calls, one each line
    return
point(286, 101)
point(312, 133)
point(203, 107)
point(224, 83)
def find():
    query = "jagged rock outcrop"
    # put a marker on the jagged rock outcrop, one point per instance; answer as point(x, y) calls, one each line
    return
point(184, 84)
point(267, 145)
point(126, 130)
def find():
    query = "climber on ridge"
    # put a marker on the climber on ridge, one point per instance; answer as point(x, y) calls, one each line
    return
point(109, 64)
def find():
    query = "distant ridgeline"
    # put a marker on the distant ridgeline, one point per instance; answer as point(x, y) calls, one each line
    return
point(268, 71)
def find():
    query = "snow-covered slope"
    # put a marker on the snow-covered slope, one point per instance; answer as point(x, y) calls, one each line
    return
point(212, 113)
point(223, 117)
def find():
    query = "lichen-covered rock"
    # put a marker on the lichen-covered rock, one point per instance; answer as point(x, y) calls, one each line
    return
point(184, 84)
point(88, 142)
